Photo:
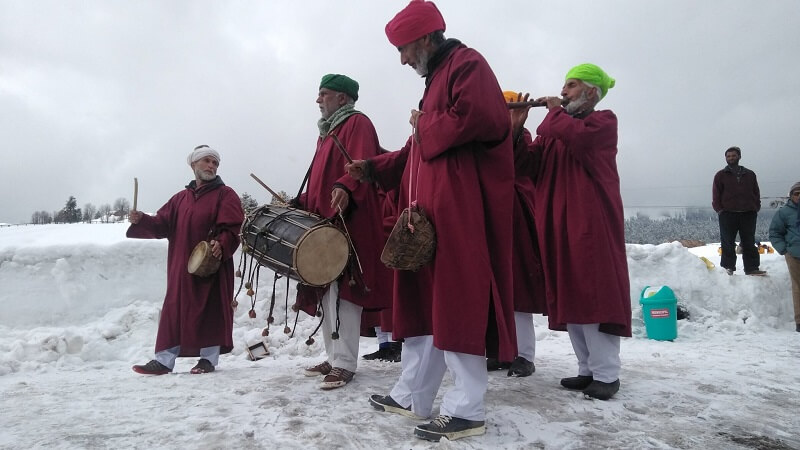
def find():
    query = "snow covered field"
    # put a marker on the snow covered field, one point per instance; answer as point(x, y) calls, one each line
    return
point(79, 305)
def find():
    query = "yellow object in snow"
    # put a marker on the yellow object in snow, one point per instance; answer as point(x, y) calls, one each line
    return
point(709, 265)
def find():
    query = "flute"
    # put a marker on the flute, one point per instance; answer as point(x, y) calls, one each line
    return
point(530, 103)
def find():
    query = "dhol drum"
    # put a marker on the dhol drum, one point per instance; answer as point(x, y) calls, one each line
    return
point(201, 262)
point(296, 243)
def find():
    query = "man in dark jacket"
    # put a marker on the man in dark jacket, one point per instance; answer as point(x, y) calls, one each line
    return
point(736, 199)
point(784, 234)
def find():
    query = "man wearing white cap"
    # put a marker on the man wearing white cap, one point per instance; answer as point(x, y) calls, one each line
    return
point(197, 317)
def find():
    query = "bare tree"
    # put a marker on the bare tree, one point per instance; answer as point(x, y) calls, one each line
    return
point(121, 207)
point(104, 210)
point(89, 211)
point(41, 217)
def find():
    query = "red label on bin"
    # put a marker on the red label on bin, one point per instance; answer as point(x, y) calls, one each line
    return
point(659, 313)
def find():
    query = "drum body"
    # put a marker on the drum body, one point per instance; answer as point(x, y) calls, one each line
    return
point(201, 262)
point(296, 243)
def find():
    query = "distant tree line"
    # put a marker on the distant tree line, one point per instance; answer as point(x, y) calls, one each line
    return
point(70, 213)
point(697, 224)
point(694, 223)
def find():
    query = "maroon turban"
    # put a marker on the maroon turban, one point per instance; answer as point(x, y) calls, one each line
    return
point(414, 21)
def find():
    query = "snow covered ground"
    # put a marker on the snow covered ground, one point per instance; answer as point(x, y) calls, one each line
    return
point(79, 305)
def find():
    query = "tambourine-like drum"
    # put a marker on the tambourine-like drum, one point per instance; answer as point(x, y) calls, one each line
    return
point(201, 262)
point(296, 243)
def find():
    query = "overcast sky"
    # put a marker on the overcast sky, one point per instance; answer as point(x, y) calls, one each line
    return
point(95, 93)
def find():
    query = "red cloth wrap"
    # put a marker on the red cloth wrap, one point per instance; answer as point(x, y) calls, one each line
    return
point(414, 21)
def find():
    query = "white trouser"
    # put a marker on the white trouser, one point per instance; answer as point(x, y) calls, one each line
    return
point(423, 370)
point(597, 352)
point(167, 357)
point(383, 336)
point(342, 352)
point(526, 336)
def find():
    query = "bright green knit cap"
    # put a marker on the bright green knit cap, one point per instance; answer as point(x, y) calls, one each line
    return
point(594, 75)
point(340, 83)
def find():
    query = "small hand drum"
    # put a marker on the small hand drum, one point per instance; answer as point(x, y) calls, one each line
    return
point(201, 262)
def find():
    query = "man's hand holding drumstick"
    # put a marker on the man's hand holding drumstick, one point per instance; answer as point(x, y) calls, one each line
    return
point(356, 169)
point(135, 216)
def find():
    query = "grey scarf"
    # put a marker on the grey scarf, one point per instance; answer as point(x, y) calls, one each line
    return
point(336, 119)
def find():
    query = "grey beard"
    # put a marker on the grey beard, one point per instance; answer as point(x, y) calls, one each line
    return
point(573, 106)
point(422, 62)
point(205, 176)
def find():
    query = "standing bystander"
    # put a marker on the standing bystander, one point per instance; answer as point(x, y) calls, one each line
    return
point(737, 200)
point(784, 235)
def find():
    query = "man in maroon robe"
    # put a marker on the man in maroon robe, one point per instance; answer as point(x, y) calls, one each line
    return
point(580, 223)
point(366, 284)
point(379, 323)
point(197, 316)
point(458, 169)
point(529, 295)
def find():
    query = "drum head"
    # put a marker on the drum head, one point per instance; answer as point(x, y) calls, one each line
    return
point(201, 262)
point(321, 255)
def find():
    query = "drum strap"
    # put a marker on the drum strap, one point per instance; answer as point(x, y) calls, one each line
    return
point(213, 231)
point(308, 172)
point(305, 179)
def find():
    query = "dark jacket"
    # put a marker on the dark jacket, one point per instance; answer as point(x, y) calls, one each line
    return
point(736, 189)
point(784, 232)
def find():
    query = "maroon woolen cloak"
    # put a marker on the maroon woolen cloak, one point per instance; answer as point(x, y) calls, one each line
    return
point(364, 215)
point(580, 221)
point(529, 292)
point(463, 179)
point(197, 311)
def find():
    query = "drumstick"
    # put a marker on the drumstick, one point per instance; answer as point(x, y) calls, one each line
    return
point(135, 192)
point(274, 194)
point(342, 149)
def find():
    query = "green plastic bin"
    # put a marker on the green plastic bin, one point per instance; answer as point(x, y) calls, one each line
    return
point(660, 311)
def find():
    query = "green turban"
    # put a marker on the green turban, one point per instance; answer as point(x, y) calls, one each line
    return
point(594, 75)
point(340, 83)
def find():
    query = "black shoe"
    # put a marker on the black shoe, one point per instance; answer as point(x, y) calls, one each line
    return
point(797, 328)
point(521, 367)
point(600, 390)
point(388, 353)
point(152, 368)
point(387, 403)
point(395, 352)
point(493, 364)
point(203, 366)
point(758, 273)
point(380, 354)
point(450, 427)
point(578, 383)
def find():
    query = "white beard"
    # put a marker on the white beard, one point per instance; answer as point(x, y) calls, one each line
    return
point(422, 62)
point(204, 175)
point(573, 106)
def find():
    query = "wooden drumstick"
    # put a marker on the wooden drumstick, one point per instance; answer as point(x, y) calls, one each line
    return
point(342, 149)
point(135, 192)
point(274, 194)
point(531, 103)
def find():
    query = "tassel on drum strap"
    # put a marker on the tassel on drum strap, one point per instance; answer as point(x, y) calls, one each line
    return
point(355, 272)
